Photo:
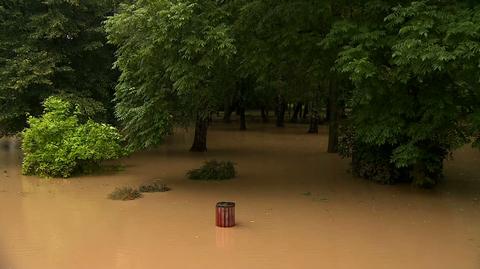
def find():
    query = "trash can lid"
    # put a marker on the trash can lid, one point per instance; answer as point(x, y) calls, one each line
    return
point(225, 204)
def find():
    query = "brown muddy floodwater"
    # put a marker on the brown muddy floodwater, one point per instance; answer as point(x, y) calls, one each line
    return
point(297, 207)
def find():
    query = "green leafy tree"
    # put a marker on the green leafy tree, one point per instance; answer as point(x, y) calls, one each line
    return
point(171, 55)
point(277, 44)
point(58, 143)
point(415, 77)
point(52, 47)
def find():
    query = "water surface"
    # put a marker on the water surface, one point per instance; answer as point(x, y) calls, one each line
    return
point(297, 207)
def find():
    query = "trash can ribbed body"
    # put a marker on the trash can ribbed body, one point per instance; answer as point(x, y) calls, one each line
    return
point(225, 214)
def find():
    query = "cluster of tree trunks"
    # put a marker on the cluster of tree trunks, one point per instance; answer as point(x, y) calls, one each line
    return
point(297, 110)
point(333, 115)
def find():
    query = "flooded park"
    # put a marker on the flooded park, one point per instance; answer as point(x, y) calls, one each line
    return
point(297, 207)
point(239, 134)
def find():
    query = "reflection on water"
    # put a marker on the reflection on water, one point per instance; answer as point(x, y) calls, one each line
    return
point(297, 207)
point(225, 238)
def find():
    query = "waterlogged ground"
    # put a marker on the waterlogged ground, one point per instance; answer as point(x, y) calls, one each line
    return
point(297, 207)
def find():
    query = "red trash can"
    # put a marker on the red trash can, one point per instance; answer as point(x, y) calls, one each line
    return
point(225, 214)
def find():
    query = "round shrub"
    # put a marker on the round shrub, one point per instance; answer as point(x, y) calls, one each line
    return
point(213, 170)
point(58, 144)
point(384, 163)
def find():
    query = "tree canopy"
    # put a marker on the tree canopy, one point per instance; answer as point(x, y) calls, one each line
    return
point(415, 82)
point(52, 47)
point(171, 54)
point(397, 81)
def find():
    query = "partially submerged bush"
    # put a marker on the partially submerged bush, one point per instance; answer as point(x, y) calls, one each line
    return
point(368, 161)
point(125, 194)
point(156, 186)
point(128, 193)
point(213, 170)
point(376, 162)
point(58, 144)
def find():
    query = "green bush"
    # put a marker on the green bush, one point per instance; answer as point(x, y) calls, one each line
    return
point(156, 186)
point(374, 162)
point(125, 194)
point(213, 170)
point(58, 144)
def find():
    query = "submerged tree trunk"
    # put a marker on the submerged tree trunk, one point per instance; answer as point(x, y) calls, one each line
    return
point(227, 116)
point(296, 111)
point(243, 123)
point(281, 107)
point(314, 119)
point(227, 111)
point(264, 113)
point(305, 112)
point(242, 88)
point(334, 116)
point(327, 112)
point(200, 139)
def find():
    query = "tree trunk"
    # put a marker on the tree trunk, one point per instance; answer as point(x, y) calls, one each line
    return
point(305, 112)
point(332, 108)
point(200, 139)
point(227, 112)
point(333, 113)
point(327, 112)
point(281, 106)
point(243, 124)
point(242, 87)
point(313, 129)
point(264, 113)
point(296, 111)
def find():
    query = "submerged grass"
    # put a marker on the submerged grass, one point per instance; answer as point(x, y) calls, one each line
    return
point(156, 186)
point(213, 170)
point(125, 194)
point(128, 193)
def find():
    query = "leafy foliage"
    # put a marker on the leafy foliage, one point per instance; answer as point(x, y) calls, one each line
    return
point(371, 162)
point(415, 80)
point(170, 54)
point(404, 73)
point(51, 47)
point(213, 170)
point(277, 49)
point(58, 144)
